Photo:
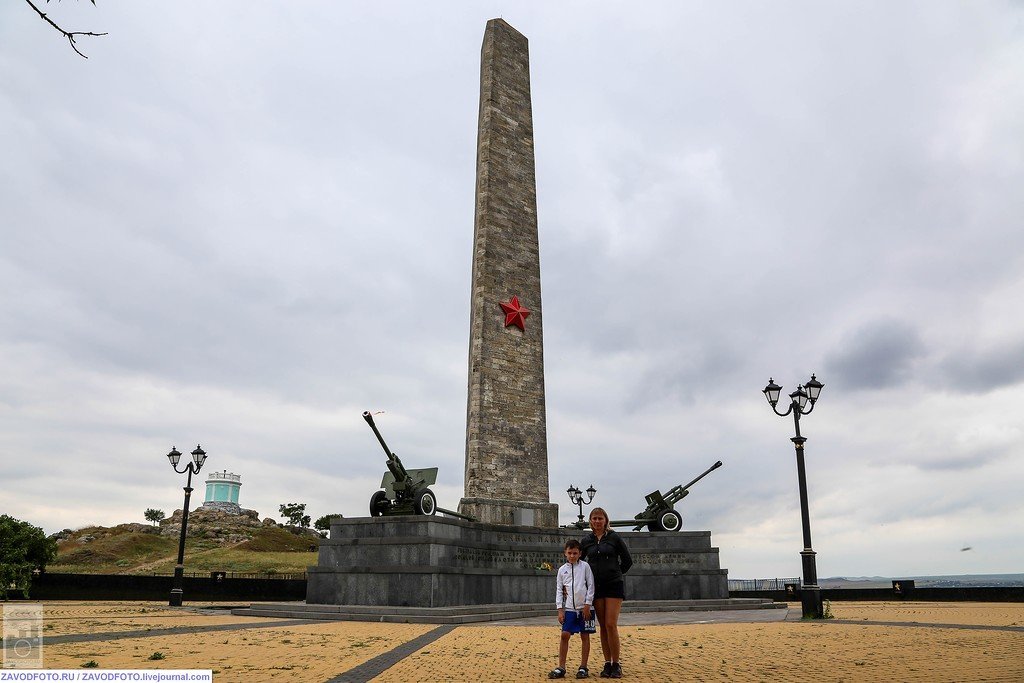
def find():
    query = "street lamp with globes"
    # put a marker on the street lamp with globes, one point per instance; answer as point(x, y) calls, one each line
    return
point(193, 467)
point(801, 402)
point(576, 496)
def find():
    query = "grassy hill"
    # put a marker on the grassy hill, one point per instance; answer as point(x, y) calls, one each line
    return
point(142, 549)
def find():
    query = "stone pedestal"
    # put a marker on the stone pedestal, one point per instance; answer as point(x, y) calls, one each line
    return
point(514, 512)
point(420, 561)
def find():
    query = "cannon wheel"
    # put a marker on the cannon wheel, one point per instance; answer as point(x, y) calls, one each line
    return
point(424, 502)
point(669, 520)
point(378, 503)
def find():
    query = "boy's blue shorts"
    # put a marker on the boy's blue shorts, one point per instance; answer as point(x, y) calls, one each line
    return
point(575, 623)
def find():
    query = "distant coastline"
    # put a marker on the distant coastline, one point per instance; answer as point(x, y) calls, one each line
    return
point(939, 581)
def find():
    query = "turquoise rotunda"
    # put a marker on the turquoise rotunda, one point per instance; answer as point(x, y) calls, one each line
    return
point(222, 491)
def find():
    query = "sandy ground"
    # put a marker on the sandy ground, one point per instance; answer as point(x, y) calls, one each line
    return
point(317, 652)
point(792, 650)
point(738, 652)
point(62, 618)
point(979, 613)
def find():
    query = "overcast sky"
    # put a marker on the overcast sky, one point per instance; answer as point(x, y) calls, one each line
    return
point(242, 224)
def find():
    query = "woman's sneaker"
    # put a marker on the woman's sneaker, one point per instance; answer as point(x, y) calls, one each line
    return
point(606, 672)
point(616, 671)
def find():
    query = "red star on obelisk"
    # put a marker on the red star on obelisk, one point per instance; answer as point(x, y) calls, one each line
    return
point(515, 314)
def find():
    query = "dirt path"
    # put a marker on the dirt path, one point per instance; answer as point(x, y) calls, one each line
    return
point(173, 558)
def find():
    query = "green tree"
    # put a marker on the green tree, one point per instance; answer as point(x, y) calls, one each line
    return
point(23, 548)
point(295, 514)
point(324, 523)
point(154, 515)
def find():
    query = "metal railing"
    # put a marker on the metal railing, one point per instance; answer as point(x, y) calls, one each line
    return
point(223, 476)
point(238, 575)
point(760, 584)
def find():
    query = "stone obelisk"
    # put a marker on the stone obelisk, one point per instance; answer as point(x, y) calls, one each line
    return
point(506, 433)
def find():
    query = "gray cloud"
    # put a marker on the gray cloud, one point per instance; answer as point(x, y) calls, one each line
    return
point(685, 375)
point(876, 356)
point(960, 461)
point(984, 370)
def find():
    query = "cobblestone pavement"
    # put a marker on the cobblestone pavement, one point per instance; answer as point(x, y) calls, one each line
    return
point(67, 616)
point(656, 618)
point(900, 641)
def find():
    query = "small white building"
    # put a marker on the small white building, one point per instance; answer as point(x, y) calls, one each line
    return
point(222, 491)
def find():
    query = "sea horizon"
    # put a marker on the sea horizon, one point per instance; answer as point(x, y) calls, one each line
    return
point(920, 580)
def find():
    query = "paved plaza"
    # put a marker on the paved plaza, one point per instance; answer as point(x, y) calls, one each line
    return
point(867, 641)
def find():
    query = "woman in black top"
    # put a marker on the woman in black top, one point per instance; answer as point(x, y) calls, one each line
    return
point(608, 557)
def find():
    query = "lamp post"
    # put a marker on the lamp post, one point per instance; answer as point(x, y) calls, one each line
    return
point(576, 496)
point(193, 467)
point(810, 592)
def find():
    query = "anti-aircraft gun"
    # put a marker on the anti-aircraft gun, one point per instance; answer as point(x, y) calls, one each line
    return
point(660, 514)
point(404, 491)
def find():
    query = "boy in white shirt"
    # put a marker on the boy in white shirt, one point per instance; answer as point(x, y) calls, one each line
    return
point(574, 598)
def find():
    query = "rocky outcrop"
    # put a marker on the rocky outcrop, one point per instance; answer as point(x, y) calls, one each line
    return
point(224, 527)
point(217, 525)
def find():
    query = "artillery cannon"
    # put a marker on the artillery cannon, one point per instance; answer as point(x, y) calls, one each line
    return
point(405, 492)
point(660, 514)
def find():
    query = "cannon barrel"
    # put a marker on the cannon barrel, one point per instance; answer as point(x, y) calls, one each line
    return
point(394, 464)
point(677, 493)
point(701, 476)
point(369, 421)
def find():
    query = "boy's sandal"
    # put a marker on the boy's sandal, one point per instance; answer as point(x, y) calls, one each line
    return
point(557, 673)
point(583, 672)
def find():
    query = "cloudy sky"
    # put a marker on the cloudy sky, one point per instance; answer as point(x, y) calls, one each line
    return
point(243, 224)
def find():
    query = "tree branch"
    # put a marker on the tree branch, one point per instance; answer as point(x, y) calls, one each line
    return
point(70, 35)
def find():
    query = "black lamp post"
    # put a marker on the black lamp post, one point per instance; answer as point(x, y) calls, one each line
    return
point(810, 592)
point(576, 496)
point(198, 458)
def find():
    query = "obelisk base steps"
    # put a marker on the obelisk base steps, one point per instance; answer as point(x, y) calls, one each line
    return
point(513, 512)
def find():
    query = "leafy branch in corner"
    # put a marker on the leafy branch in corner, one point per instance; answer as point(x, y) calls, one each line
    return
point(70, 35)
